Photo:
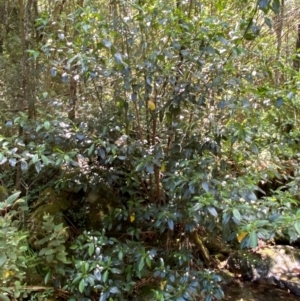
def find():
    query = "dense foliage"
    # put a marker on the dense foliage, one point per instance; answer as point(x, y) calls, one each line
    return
point(139, 137)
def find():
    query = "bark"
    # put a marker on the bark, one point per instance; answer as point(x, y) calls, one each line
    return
point(296, 62)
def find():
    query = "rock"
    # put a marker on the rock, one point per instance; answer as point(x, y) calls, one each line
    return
point(52, 204)
point(272, 265)
point(100, 201)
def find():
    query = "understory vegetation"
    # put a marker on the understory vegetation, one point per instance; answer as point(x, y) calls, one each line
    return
point(141, 142)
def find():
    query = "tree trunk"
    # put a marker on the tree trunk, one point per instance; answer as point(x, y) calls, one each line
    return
point(296, 62)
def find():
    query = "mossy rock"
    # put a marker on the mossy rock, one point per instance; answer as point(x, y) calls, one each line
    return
point(47, 193)
point(53, 209)
point(52, 204)
point(100, 201)
point(62, 199)
point(37, 219)
point(94, 216)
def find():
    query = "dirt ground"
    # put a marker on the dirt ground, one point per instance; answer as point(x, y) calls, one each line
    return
point(246, 291)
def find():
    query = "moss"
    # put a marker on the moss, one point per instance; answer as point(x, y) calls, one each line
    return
point(47, 193)
point(195, 238)
point(64, 200)
point(52, 209)
point(100, 201)
point(52, 204)
point(3, 194)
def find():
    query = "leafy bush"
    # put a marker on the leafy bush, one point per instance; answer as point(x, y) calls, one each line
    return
point(14, 249)
point(155, 116)
point(122, 270)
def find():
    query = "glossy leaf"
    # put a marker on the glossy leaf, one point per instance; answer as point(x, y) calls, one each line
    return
point(141, 264)
point(263, 4)
point(236, 214)
point(212, 211)
point(81, 286)
point(3, 259)
point(91, 249)
point(105, 276)
point(24, 165)
point(38, 166)
point(253, 239)
point(171, 224)
point(297, 226)
point(4, 297)
point(11, 199)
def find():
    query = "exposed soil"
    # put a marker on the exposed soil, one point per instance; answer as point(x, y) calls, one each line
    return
point(247, 291)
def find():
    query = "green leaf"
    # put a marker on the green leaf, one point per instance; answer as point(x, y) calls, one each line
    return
point(250, 36)
point(253, 239)
point(279, 102)
point(106, 43)
point(81, 286)
point(268, 22)
point(150, 168)
point(236, 214)
point(67, 158)
point(35, 158)
point(141, 264)
point(58, 161)
point(24, 165)
point(33, 53)
point(114, 290)
point(208, 298)
point(45, 159)
point(12, 162)
point(275, 6)
point(219, 294)
point(120, 255)
point(105, 276)
point(171, 224)
point(47, 277)
point(85, 267)
point(290, 95)
point(261, 223)
point(140, 166)
point(65, 78)
point(4, 159)
point(12, 198)
point(222, 40)
point(91, 249)
point(225, 218)
point(91, 149)
point(212, 211)
point(118, 58)
point(38, 166)
point(61, 257)
point(4, 297)
point(116, 271)
point(3, 259)
point(263, 4)
point(254, 149)
point(297, 226)
point(104, 296)
point(205, 186)
point(47, 125)
point(70, 61)
point(97, 275)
